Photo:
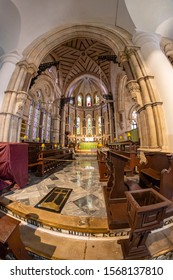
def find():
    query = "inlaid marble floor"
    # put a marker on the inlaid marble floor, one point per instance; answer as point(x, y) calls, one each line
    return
point(82, 176)
point(86, 199)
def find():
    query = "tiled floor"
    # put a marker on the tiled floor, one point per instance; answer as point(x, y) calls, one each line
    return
point(82, 176)
point(86, 200)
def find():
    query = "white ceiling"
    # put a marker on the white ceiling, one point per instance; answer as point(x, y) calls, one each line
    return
point(22, 21)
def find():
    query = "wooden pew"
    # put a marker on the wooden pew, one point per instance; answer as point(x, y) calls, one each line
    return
point(114, 191)
point(33, 150)
point(127, 148)
point(102, 163)
point(49, 160)
point(157, 173)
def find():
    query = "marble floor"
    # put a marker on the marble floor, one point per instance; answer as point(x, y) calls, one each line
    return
point(82, 176)
point(86, 200)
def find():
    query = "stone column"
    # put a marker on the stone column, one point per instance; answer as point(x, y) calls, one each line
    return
point(67, 124)
point(7, 63)
point(20, 103)
point(56, 123)
point(12, 108)
point(162, 70)
point(62, 125)
point(146, 110)
point(84, 124)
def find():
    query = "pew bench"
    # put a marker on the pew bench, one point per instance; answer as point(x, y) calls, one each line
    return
point(127, 148)
point(114, 191)
point(33, 153)
point(103, 169)
point(157, 173)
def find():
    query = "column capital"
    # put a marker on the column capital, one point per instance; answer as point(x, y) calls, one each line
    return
point(130, 50)
point(12, 57)
point(168, 49)
point(29, 67)
point(141, 38)
point(122, 56)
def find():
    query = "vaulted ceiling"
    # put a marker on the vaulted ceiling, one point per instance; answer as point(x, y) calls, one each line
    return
point(79, 59)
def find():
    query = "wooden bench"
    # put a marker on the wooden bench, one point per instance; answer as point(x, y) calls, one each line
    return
point(102, 163)
point(33, 150)
point(157, 173)
point(114, 191)
point(50, 160)
point(129, 149)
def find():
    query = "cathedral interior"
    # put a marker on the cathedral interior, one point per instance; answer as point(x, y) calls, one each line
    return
point(86, 135)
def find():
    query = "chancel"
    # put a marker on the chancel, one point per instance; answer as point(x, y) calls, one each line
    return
point(86, 135)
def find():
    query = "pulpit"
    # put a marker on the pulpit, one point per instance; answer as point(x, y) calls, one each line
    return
point(13, 163)
point(146, 210)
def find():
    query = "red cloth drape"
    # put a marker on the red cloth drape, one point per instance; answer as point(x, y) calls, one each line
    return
point(14, 163)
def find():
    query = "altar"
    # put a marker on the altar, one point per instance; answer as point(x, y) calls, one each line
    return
point(90, 145)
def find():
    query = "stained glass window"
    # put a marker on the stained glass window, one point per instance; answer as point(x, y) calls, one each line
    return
point(43, 126)
point(30, 117)
point(78, 125)
point(88, 101)
point(89, 126)
point(71, 99)
point(97, 99)
point(134, 120)
point(48, 127)
point(35, 132)
point(99, 125)
point(79, 100)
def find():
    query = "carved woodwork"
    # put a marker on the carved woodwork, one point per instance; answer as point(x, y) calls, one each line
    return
point(146, 210)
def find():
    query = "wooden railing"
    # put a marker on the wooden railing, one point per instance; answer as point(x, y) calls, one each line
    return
point(50, 160)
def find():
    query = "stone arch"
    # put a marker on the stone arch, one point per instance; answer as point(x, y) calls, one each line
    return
point(116, 38)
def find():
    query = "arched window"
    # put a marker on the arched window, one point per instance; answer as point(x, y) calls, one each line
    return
point(48, 127)
point(88, 101)
point(97, 99)
point(79, 100)
point(78, 125)
point(30, 118)
point(71, 99)
point(134, 120)
point(89, 126)
point(43, 124)
point(99, 125)
point(36, 121)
